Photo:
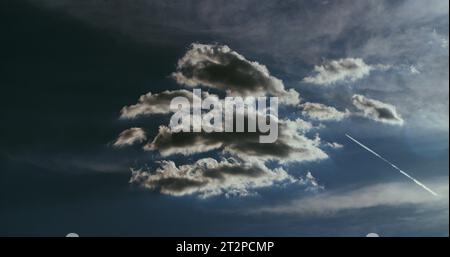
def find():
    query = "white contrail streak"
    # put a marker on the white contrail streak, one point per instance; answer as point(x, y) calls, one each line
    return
point(392, 165)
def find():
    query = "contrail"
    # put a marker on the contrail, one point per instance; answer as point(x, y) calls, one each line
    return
point(393, 166)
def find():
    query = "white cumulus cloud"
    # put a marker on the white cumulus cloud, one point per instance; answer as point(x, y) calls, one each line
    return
point(377, 110)
point(341, 70)
point(321, 112)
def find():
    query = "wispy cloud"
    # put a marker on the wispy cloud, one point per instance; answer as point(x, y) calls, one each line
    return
point(129, 137)
point(333, 203)
point(149, 103)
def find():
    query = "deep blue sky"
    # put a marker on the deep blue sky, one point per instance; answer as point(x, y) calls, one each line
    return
point(67, 69)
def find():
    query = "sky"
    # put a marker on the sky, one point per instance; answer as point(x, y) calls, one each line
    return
point(85, 143)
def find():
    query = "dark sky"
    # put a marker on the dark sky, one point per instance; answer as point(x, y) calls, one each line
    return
point(68, 68)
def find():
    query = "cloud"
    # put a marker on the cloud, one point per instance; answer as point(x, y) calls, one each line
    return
point(376, 110)
point(312, 183)
point(413, 70)
point(291, 146)
point(221, 68)
point(217, 66)
point(130, 136)
point(322, 112)
point(208, 177)
point(155, 103)
point(332, 203)
point(335, 145)
point(342, 70)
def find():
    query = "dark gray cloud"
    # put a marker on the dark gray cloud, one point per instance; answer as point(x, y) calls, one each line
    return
point(209, 177)
point(129, 137)
point(217, 66)
point(377, 110)
point(221, 68)
point(291, 146)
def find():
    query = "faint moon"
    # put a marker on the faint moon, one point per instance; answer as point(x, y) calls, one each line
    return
point(372, 235)
point(72, 235)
